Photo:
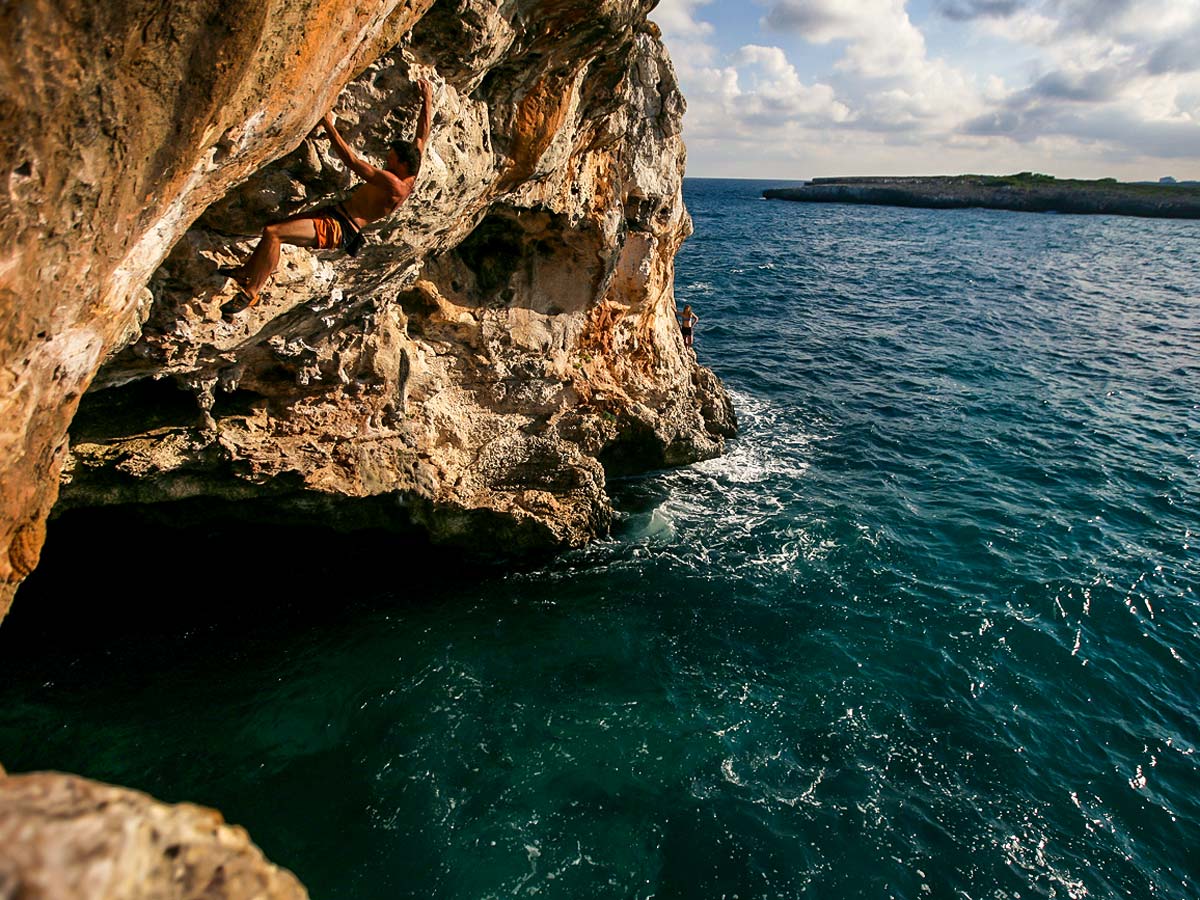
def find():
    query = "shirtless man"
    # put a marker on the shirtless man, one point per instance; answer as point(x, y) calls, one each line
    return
point(338, 226)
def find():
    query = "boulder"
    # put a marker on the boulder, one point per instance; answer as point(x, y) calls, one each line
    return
point(69, 838)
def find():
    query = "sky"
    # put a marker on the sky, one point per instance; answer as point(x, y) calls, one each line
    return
point(805, 88)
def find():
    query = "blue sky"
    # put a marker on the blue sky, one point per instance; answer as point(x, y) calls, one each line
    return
point(1074, 88)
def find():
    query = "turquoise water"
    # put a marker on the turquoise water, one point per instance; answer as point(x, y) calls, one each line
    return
point(929, 629)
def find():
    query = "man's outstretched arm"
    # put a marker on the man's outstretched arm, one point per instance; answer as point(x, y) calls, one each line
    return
point(425, 122)
point(357, 164)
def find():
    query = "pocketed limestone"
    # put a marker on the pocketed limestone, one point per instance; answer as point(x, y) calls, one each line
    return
point(506, 336)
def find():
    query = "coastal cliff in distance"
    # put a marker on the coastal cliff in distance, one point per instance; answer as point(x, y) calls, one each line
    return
point(1025, 192)
point(504, 340)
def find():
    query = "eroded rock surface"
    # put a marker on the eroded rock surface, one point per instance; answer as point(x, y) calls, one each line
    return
point(122, 121)
point(69, 838)
point(506, 337)
point(507, 332)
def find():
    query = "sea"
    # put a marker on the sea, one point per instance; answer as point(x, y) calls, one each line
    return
point(929, 628)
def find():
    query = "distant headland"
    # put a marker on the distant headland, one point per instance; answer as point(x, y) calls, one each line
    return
point(1024, 192)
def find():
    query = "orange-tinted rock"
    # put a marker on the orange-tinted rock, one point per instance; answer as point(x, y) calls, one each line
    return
point(507, 334)
point(119, 123)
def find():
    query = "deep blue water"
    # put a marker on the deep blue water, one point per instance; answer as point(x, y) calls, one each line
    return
point(931, 628)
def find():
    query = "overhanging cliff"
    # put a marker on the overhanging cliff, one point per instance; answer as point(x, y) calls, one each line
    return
point(505, 338)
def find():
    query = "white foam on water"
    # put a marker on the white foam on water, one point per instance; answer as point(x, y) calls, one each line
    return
point(728, 515)
point(1029, 853)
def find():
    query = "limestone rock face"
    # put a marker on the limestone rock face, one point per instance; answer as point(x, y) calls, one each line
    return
point(122, 121)
point(68, 838)
point(504, 339)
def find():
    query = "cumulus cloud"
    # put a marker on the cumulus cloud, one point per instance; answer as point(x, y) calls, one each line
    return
point(1165, 139)
point(775, 92)
point(1176, 54)
point(812, 18)
point(1113, 72)
point(968, 10)
point(1092, 16)
point(679, 18)
point(741, 95)
point(881, 39)
point(885, 65)
point(688, 34)
point(1064, 25)
point(1093, 80)
point(758, 96)
point(1083, 87)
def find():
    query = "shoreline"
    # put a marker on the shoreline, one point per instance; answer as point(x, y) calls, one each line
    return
point(1017, 193)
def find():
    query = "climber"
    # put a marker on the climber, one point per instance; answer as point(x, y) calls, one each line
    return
point(338, 226)
point(687, 321)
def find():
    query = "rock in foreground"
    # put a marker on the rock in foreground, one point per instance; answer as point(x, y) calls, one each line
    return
point(69, 838)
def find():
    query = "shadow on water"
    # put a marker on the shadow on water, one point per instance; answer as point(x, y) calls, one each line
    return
point(110, 574)
point(229, 666)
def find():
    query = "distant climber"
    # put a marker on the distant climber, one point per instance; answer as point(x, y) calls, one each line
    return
point(687, 321)
point(338, 226)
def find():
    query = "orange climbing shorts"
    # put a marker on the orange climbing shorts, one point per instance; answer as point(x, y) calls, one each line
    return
point(329, 231)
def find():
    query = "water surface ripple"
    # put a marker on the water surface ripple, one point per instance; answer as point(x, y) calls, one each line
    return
point(929, 629)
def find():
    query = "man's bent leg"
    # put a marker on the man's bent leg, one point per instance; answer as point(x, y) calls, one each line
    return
point(262, 262)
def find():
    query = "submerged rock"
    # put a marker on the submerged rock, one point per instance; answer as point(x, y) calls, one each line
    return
point(66, 837)
point(504, 337)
